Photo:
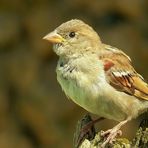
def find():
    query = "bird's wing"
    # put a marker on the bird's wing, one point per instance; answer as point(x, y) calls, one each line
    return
point(121, 75)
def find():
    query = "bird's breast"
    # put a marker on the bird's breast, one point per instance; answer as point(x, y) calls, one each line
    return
point(88, 92)
point(85, 83)
point(78, 85)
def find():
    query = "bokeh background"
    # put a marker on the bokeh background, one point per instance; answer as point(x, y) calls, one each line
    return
point(34, 112)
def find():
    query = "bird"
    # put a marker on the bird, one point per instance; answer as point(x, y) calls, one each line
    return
point(98, 77)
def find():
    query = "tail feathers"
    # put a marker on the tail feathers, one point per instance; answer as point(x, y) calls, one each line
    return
point(141, 88)
point(142, 95)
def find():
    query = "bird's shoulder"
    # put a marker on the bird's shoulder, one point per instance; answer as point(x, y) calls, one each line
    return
point(120, 73)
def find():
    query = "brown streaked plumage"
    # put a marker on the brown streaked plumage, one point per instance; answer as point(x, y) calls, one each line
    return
point(121, 75)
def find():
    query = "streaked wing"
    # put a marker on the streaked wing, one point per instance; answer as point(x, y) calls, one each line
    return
point(121, 74)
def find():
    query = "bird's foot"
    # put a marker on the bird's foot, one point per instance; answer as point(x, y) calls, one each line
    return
point(110, 135)
point(106, 133)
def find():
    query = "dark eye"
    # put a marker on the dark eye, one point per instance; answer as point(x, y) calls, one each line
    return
point(72, 34)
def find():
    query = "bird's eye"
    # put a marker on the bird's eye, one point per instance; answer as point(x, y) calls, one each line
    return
point(72, 34)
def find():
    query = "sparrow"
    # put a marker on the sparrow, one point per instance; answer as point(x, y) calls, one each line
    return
point(98, 77)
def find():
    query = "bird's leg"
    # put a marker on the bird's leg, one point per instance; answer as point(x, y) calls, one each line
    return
point(90, 124)
point(112, 133)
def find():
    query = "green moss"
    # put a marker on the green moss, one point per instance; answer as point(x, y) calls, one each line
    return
point(141, 139)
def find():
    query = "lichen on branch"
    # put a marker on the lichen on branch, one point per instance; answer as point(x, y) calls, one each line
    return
point(92, 139)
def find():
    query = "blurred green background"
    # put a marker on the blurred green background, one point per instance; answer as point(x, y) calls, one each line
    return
point(34, 112)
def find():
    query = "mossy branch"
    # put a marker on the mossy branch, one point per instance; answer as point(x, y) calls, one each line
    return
point(91, 139)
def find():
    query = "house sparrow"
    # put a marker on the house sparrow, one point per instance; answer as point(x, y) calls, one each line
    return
point(96, 76)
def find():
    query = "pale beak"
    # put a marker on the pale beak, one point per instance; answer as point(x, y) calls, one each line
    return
point(54, 37)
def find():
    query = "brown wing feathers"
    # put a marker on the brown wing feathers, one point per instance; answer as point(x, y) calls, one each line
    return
point(121, 75)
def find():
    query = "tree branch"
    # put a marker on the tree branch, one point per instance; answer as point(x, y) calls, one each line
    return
point(91, 139)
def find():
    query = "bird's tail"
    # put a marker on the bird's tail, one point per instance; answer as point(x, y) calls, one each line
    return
point(141, 90)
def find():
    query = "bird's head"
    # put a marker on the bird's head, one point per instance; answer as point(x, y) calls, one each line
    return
point(72, 38)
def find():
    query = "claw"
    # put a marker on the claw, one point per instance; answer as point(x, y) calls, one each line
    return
point(105, 133)
point(112, 133)
point(111, 137)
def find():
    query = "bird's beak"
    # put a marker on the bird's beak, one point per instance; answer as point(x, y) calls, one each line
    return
point(54, 37)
